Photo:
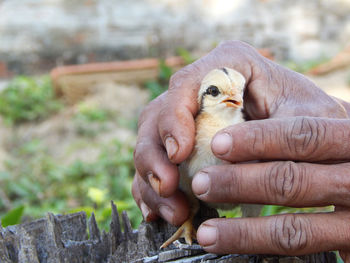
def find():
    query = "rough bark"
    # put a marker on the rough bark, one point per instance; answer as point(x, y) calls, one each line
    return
point(63, 238)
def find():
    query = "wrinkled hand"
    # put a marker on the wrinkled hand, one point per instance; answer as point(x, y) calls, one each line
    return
point(166, 133)
point(295, 184)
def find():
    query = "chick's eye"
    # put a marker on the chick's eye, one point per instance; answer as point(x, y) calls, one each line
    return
point(213, 90)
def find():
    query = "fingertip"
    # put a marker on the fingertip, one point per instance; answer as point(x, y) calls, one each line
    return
point(171, 147)
point(186, 144)
point(155, 182)
point(221, 144)
point(147, 214)
point(167, 213)
point(174, 209)
point(200, 184)
point(207, 234)
point(168, 184)
point(179, 143)
point(155, 169)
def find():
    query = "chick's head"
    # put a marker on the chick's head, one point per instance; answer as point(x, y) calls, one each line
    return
point(221, 91)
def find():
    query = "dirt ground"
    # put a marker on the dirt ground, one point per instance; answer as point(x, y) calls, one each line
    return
point(60, 133)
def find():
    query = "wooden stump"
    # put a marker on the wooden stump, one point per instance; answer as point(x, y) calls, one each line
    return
point(63, 238)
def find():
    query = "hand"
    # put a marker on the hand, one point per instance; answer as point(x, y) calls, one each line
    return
point(166, 126)
point(296, 184)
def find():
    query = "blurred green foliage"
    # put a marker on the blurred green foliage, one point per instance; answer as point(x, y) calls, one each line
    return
point(160, 85)
point(305, 66)
point(269, 210)
point(90, 120)
point(28, 99)
point(92, 113)
point(186, 55)
point(36, 182)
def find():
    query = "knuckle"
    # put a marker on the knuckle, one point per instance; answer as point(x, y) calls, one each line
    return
point(144, 116)
point(237, 47)
point(304, 137)
point(291, 234)
point(232, 44)
point(186, 73)
point(174, 79)
point(139, 153)
point(286, 182)
point(145, 193)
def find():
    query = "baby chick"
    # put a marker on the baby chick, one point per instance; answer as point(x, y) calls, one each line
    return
point(221, 101)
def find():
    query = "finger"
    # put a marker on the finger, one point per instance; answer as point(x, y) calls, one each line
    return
point(299, 138)
point(344, 254)
point(291, 234)
point(147, 213)
point(176, 120)
point(278, 183)
point(173, 209)
point(150, 158)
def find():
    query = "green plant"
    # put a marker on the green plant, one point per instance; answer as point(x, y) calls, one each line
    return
point(89, 119)
point(158, 86)
point(305, 66)
point(339, 260)
point(186, 55)
point(92, 113)
point(269, 210)
point(235, 212)
point(37, 182)
point(12, 217)
point(28, 99)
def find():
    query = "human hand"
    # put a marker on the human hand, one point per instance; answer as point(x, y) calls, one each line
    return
point(295, 184)
point(166, 126)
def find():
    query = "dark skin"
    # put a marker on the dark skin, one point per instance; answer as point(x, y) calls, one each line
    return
point(301, 133)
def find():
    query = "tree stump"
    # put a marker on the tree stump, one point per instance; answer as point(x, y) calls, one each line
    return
point(63, 238)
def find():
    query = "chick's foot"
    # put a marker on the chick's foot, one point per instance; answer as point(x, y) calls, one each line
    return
point(186, 230)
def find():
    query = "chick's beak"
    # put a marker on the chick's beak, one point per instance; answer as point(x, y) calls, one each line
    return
point(233, 101)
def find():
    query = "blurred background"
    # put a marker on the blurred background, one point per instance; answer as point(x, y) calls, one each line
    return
point(67, 135)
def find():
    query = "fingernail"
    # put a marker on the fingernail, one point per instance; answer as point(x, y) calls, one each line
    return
point(167, 213)
point(145, 211)
point(207, 235)
point(222, 143)
point(171, 147)
point(154, 181)
point(200, 183)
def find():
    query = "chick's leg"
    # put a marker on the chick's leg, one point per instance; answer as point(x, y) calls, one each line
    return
point(186, 230)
